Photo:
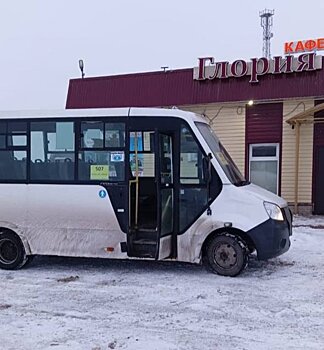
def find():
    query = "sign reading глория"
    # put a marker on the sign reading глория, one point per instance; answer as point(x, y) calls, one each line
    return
point(208, 69)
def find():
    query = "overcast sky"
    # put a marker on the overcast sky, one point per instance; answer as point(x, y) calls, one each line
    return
point(42, 41)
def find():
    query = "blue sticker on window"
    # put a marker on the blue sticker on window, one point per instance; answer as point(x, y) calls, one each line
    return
point(102, 193)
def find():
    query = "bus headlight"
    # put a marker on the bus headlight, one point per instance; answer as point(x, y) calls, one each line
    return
point(273, 211)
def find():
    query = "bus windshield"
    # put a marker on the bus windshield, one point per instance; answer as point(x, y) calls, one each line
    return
point(224, 159)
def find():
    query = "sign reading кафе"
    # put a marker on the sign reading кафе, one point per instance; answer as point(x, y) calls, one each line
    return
point(299, 46)
point(208, 69)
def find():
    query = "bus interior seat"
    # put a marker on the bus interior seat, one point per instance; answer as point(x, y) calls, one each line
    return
point(5, 160)
point(11, 168)
point(39, 170)
point(58, 170)
point(65, 169)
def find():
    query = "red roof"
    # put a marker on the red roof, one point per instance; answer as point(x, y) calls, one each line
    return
point(176, 88)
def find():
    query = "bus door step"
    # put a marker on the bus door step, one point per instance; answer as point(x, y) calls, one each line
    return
point(148, 235)
point(144, 248)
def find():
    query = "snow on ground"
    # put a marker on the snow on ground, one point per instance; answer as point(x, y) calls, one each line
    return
point(59, 303)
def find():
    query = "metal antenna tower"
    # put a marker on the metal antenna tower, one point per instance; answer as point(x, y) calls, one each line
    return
point(266, 24)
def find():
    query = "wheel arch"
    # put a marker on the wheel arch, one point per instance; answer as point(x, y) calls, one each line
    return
point(19, 235)
point(231, 230)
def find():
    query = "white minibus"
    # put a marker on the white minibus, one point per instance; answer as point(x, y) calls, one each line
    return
point(130, 183)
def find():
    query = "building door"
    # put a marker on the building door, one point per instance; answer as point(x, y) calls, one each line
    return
point(263, 142)
point(319, 187)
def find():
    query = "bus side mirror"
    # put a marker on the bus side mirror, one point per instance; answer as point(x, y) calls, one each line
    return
point(207, 168)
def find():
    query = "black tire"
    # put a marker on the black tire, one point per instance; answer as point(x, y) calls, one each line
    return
point(29, 260)
point(226, 255)
point(12, 252)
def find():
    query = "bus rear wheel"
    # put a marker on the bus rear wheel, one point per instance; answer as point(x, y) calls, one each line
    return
point(226, 255)
point(12, 252)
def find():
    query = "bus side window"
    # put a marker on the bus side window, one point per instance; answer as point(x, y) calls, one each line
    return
point(102, 151)
point(193, 186)
point(13, 150)
point(52, 151)
point(92, 134)
point(191, 159)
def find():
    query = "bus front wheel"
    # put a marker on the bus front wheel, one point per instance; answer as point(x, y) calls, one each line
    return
point(226, 255)
point(12, 252)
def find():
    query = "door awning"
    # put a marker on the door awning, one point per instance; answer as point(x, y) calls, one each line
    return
point(307, 117)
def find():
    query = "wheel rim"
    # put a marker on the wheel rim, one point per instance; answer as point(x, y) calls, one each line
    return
point(225, 255)
point(8, 251)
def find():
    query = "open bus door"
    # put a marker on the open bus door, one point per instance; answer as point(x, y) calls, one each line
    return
point(151, 195)
point(166, 194)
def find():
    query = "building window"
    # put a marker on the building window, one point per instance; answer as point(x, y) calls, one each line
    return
point(264, 165)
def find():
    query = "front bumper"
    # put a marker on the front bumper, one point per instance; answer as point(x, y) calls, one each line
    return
point(271, 238)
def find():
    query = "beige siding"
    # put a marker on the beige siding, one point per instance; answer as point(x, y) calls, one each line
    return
point(291, 108)
point(228, 121)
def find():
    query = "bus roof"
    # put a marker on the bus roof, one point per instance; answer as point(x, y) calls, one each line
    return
point(102, 112)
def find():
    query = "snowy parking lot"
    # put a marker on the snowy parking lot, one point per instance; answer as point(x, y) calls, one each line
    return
point(65, 303)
